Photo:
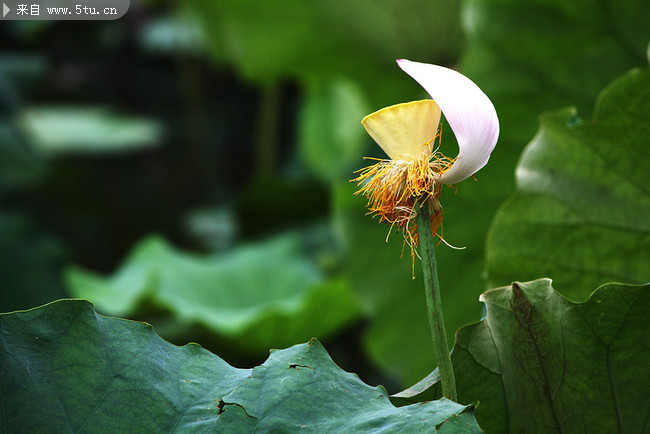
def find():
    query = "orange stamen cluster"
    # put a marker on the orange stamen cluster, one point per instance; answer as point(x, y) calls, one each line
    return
point(396, 189)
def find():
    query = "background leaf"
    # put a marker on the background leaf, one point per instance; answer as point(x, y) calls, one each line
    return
point(65, 368)
point(56, 130)
point(581, 214)
point(541, 363)
point(557, 58)
point(330, 138)
point(267, 43)
point(265, 295)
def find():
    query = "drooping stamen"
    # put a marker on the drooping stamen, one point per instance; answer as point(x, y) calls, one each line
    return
point(396, 190)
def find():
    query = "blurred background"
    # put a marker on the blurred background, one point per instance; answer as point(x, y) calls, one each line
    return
point(188, 165)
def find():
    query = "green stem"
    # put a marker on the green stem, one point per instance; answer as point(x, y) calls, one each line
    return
point(434, 303)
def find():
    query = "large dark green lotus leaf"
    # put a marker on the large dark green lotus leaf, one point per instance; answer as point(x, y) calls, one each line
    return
point(540, 363)
point(581, 214)
point(67, 369)
point(267, 294)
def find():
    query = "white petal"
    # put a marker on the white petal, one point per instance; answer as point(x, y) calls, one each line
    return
point(402, 129)
point(469, 112)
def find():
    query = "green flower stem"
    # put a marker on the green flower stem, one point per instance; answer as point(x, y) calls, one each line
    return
point(434, 303)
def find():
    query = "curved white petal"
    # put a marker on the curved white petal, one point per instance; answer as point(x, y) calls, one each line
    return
point(469, 112)
point(402, 129)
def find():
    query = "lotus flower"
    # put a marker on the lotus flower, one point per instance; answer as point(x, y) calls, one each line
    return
point(397, 187)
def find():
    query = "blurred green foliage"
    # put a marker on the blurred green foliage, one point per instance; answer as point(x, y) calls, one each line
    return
point(265, 295)
point(248, 113)
point(581, 213)
point(53, 130)
point(329, 134)
point(32, 263)
point(323, 40)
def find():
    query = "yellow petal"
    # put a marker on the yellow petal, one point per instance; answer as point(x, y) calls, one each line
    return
point(402, 129)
